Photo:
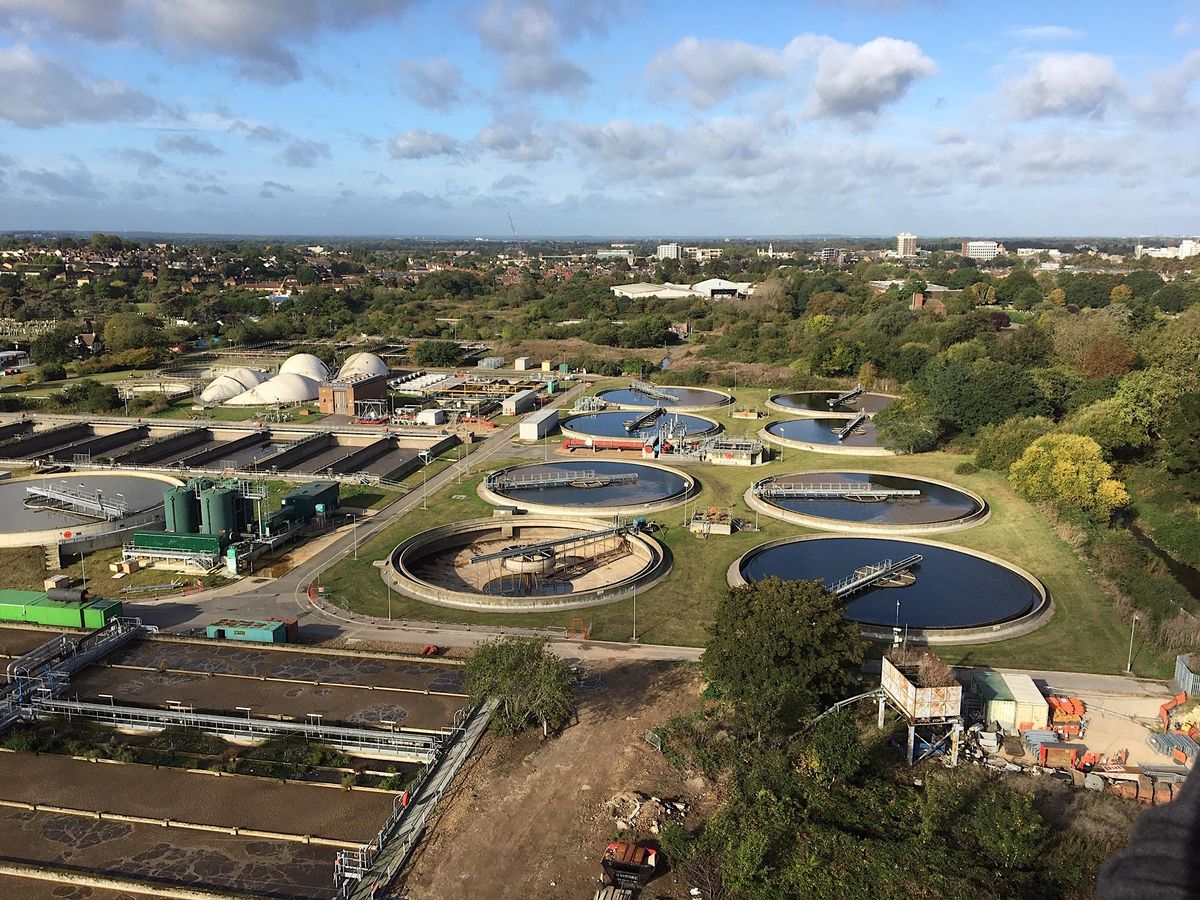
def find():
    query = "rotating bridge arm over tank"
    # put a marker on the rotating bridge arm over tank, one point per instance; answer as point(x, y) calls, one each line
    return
point(643, 420)
point(834, 490)
point(854, 423)
point(650, 390)
point(869, 575)
point(845, 398)
point(587, 537)
point(559, 479)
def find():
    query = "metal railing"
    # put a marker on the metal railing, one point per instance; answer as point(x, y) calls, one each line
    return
point(87, 502)
point(559, 479)
point(587, 537)
point(644, 419)
point(831, 490)
point(853, 424)
point(868, 575)
point(650, 390)
point(841, 399)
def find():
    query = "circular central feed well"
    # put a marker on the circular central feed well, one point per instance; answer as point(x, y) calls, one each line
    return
point(952, 595)
point(821, 436)
point(668, 396)
point(537, 563)
point(867, 501)
point(612, 425)
point(28, 520)
point(596, 487)
point(816, 403)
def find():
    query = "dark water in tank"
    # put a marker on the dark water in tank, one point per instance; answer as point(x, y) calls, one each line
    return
point(612, 424)
point(652, 485)
point(824, 431)
point(685, 396)
point(952, 590)
point(818, 401)
point(936, 503)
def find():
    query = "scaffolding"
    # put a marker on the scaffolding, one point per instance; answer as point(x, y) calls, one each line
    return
point(88, 503)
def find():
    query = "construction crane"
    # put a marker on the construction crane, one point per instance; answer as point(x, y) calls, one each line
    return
point(520, 247)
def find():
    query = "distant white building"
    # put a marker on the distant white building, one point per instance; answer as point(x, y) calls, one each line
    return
point(1189, 247)
point(708, 290)
point(1028, 252)
point(906, 244)
point(982, 250)
point(703, 254)
point(772, 253)
point(668, 251)
point(614, 253)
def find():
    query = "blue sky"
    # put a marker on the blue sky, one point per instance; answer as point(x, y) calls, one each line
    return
point(403, 117)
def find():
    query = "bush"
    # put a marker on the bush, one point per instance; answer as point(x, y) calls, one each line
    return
point(999, 446)
point(966, 468)
point(51, 371)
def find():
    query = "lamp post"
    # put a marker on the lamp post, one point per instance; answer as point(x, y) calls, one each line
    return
point(354, 522)
point(1129, 662)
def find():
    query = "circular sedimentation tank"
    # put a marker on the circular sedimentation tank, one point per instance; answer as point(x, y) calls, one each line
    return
point(867, 501)
point(821, 436)
point(612, 425)
point(952, 595)
point(681, 398)
point(27, 520)
point(592, 487)
point(816, 403)
point(538, 563)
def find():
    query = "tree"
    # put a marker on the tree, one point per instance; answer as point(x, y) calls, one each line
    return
point(779, 652)
point(57, 346)
point(968, 396)
point(834, 751)
point(130, 331)
point(999, 446)
point(908, 425)
point(1068, 471)
point(529, 684)
point(1182, 440)
point(1109, 424)
point(1009, 829)
point(1122, 293)
point(436, 353)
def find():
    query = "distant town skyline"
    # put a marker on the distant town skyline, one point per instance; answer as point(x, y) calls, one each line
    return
point(582, 119)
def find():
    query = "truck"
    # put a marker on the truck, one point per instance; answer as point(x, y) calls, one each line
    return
point(628, 866)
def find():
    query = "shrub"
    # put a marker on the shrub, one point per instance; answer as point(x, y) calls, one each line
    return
point(966, 468)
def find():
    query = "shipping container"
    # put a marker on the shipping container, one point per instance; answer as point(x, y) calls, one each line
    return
point(251, 630)
point(35, 608)
point(161, 540)
point(999, 705)
point(1031, 708)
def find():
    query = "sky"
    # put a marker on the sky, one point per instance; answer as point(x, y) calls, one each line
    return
point(619, 118)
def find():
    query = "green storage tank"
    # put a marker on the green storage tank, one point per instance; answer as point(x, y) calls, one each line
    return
point(217, 514)
point(181, 509)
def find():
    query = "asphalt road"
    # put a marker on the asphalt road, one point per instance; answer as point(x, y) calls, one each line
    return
point(288, 596)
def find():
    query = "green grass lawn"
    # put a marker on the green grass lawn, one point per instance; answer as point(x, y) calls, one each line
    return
point(1083, 635)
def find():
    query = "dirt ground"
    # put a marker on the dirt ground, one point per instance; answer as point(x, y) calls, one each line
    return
point(222, 694)
point(177, 857)
point(527, 819)
point(254, 803)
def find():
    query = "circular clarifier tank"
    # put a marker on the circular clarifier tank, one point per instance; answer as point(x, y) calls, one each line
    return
point(613, 424)
point(668, 396)
point(867, 501)
point(817, 403)
point(593, 487)
point(77, 504)
point(951, 593)
point(526, 564)
point(821, 435)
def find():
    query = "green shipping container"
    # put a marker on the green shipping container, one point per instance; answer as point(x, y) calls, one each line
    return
point(158, 540)
point(100, 612)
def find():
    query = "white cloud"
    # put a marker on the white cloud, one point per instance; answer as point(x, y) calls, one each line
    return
point(143, 160)
point(518, 143)
point(708, 70)
point(421, 144)
point(1065, 84)
point(63, 182)
point(857, 81)
point(1168, 101)
point(187, 143)
point(529, 36)
point(259, 34)
point(38, 92)
point(1047, 33)
point(304, 154)
point(435, 84)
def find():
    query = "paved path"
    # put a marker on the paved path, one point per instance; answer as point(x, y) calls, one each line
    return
point(288, 596)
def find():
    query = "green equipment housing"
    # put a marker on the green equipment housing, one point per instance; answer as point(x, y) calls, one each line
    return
point(261, 631)
point(37, 608)
point(317, 498)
